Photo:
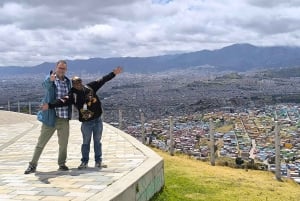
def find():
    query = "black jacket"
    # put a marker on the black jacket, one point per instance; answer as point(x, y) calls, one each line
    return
point(86, 100)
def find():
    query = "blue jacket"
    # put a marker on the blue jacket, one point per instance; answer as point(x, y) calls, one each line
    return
point(48, 117)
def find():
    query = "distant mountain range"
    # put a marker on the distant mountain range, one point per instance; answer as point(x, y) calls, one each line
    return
point(237, 57)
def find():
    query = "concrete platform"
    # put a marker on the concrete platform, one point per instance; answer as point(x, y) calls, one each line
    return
point(134, 171)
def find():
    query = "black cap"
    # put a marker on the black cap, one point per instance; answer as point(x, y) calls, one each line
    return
point(76, 79)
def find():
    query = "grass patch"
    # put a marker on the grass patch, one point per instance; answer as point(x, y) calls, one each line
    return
point(191, 180)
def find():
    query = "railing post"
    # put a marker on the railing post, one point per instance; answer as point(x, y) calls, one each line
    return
point(171, 137)
point(8, 106)
point(19, 107)
point(29, 107)
point(143, 126)
point(277, 152)
point(120, 119)
point(212, 141)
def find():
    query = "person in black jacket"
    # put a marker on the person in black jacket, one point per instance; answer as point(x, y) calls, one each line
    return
point(87, 102)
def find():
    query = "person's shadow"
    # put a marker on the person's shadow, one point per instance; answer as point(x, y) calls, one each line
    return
point(45, 176)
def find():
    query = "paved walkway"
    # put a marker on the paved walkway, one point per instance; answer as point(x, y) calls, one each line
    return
point(19, 133)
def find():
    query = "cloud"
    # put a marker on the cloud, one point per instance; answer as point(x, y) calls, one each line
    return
point(35, 31)
point(274, 3)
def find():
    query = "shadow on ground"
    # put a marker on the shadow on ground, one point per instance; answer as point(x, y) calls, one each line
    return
point(45, 176)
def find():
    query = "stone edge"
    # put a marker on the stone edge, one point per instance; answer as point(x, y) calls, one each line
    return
point(139, 184)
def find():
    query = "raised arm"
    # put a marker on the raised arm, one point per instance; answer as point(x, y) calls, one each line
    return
point(100, 82)
point(48, 82)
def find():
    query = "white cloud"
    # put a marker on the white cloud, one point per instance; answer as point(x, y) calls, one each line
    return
point(35, 31)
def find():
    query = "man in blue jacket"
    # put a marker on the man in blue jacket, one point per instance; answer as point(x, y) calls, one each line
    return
point(86, 100)
point(57, 85)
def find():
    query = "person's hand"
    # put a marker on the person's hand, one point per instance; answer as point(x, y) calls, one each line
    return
point(52, 76)
point(45, 106)
point(118, 70)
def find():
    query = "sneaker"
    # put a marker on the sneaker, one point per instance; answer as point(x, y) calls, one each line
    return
point(83, 165)
point(63, 168)
point(30, 169)
point(100, 165)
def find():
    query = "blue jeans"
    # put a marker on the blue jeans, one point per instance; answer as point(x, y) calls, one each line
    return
point(89, 128)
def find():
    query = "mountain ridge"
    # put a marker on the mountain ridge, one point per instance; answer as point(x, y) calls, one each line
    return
point(236, 57)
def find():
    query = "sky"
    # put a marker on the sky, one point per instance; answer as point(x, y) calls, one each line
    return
point(37, 31)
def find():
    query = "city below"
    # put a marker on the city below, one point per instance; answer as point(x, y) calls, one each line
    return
point(247, 134)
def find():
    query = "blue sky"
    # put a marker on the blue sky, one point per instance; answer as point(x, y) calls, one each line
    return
point(35, 31)
point(161, 1)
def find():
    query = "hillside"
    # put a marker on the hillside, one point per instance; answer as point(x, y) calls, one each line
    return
point(282, 73)
point(191, 180)
point(237, 57)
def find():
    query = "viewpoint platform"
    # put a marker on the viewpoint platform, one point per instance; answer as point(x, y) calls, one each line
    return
point(134, 171)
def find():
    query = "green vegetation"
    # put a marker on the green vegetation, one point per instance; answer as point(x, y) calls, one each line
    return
point(191, 180)
point(225, 128)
